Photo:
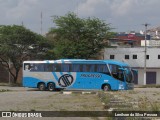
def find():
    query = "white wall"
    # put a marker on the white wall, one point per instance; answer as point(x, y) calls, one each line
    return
point(152, 62)
point(150, 42)
point(140, 77)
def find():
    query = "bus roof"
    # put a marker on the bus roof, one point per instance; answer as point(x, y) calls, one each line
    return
point(80, 61)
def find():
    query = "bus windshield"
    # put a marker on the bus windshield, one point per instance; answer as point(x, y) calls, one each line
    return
point(116, 72)
point(128, 74)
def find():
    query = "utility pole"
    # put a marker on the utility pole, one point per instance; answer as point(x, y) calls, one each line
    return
point(145, 54)
point(9, 76)
point(22, 23)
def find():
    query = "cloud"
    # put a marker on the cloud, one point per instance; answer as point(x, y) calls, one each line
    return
point(22, 9)
point(124, 14)
point(29, 11)
point(120, 8)
point(92, 7)
point(113, 7)
point(88, 7)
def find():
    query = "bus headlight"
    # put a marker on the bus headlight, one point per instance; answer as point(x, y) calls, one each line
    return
point(121, 86)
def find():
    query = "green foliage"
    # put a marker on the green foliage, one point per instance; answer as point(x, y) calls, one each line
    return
point(18, 44)
point(78, 38)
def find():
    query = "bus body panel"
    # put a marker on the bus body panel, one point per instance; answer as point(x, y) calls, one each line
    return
point(80, 80)
point(74, 80)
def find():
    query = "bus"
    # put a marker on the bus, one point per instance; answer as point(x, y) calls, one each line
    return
point(77, 74)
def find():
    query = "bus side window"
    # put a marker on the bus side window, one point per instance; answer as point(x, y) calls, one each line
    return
point(84, 68)
point(75, 68)
point(33, 67)
point(27, 67)
point(54, 67)
point(48, 67)
point(92, 68)
point(65, 67)
point(40, 67)
point(103, 68)
point(100, 68)
point(106, 70)
point(57, 67)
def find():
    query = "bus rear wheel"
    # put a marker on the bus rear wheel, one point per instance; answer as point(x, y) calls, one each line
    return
point(106, 88)
point(51, 86)
point(41, 86)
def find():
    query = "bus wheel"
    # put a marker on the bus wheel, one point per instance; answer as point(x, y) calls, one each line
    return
point(41, 86)
point(51, 86)
point(106, 88)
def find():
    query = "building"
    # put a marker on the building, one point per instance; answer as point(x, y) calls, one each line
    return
point(135, 58)
point(127, 39)
point(151, 43)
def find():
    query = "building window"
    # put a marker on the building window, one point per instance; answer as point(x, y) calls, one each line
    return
point(147, 56)
point(134, 56)
point(111, 56)
point(126, 56)
point(158, 56)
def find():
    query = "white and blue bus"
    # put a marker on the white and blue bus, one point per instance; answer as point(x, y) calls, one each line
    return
point(77, 74)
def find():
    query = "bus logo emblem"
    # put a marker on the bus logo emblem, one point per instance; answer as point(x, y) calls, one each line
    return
point(65, 80)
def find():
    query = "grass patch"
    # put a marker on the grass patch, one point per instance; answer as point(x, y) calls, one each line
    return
point(15, 85)
point(32, 110)
point(34, 101)
point(105, 99)
point(149, 86)
point(12, 110)
point(4, 90)
point(4, 84)
point(11, 85)
point(132, 92)
point(122, 102)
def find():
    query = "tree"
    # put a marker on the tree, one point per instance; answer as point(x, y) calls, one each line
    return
point(16, 45)
point(50, 54)
point(79, 38)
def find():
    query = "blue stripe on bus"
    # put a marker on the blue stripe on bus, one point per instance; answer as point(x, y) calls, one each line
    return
point(61, 73)
point(55, 76)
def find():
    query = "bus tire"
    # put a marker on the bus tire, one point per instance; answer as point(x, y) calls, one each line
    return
point(41, 86)
point(51, 86)
point(106, 87)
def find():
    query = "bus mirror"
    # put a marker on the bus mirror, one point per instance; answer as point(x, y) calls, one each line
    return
point(122, 69)
point(135, 70)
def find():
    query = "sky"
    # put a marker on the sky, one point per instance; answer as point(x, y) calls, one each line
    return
point(122, 15)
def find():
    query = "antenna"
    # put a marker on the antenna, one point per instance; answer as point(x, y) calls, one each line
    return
point(77, 8)
point(41, 22)
point(22, 23)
